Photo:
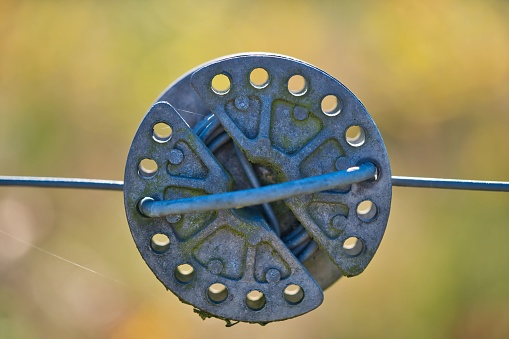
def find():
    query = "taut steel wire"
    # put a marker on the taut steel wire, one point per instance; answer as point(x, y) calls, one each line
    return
point(118, 185)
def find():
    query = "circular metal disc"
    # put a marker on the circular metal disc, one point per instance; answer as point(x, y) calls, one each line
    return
point(296, 122)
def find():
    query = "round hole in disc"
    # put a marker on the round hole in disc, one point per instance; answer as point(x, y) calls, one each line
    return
point(160, 243)
point(140, 204)
point(331, 105)
point(353, 246)
point(293, 294)
point(221, 84)
point(184, 273)
point(355, 136)
point(367, 210)
point(147, 168)
point(217, 293)
point(297, 85)
point(161, 132)
point(255, 300)
point(259, 78)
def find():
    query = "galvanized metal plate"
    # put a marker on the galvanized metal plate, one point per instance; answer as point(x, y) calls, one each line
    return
point(226, 263)
point(229, 263)
point(292, 131)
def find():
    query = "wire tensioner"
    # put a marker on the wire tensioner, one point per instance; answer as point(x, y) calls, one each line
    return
point(255, 182)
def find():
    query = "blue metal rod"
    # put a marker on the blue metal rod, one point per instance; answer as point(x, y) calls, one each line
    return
point(62, 183)
point(258, 196)
point(471, 185)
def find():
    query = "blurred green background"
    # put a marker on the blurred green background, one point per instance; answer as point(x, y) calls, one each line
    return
point(76, 78)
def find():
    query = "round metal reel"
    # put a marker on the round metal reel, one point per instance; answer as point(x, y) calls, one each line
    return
point(292, 121)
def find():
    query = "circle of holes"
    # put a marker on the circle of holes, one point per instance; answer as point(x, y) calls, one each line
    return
point(354, 135)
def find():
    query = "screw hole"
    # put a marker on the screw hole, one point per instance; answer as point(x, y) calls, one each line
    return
point(353, 246)
point(331, 105)
point(259, 78)
point(255, 300)
point(355, 136)
point(297, 85)
point(367, 210)
point(184, 273)
point(217, 293)
point(160, 243)
point(147, 168)
point(293, 294)
point(221, 84)
point(161, 132)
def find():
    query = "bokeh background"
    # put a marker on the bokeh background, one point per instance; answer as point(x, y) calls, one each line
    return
point(76, 78)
